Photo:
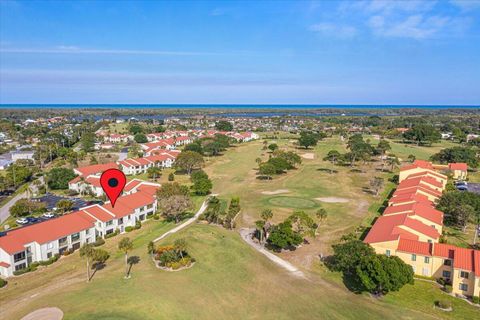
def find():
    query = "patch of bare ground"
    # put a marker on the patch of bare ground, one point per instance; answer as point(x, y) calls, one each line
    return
point(52, 313)
point(333, 200)
point(279, 191)
point(309, 156)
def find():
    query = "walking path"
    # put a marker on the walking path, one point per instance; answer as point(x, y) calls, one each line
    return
point(186, 223)
point(247, 237)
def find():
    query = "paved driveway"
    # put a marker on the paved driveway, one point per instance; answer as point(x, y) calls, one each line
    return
point(474, 187)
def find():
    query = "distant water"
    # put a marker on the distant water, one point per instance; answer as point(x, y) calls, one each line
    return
point(229, 106)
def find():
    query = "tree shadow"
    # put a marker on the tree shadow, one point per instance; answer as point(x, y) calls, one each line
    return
point(96, 267)
point(131, 261)
point(353, 283)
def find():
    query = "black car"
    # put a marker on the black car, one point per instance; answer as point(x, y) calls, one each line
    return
point(32, 220)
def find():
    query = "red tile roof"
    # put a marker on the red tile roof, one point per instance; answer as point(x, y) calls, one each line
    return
point(420, 209)
point(408, 198)
point(428, 173)
point(4, 264)
point(50, 230)
point(413, 246)
point(97, 212)
point(415, 181)
point(458, 166)
point(386, 229)
point(97, 168)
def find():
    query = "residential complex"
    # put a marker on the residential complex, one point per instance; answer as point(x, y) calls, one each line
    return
point(410, 228)
point(41, 241)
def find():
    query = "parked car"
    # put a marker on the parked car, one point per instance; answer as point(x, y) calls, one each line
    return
point(22, 221)
point(32, 219)
point(462, 188)
point(461, 183)
point(48, 215)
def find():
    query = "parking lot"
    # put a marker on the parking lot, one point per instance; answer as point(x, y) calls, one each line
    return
point(51, 201)
point(474, 187)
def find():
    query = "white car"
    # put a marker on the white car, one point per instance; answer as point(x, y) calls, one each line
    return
point(48, 215)
point(22, 221)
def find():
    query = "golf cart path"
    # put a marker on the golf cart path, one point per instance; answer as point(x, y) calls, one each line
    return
point(186, 223)
point(246, 235)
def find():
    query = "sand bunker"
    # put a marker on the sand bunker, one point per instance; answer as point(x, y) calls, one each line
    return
point(308, 156)
point(279, 191)
point(333, 200)
point(45, 314)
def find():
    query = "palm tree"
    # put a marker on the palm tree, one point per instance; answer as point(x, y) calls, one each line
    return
point(260, 225)
point(393, 162)
point(126, 245)
point(87, 251)
point(258, 161)
point(180, 246)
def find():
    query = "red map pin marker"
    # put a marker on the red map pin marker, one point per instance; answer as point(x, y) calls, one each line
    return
point(113, 181)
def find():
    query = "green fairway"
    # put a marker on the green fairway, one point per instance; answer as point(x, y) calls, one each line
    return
point(292, 202)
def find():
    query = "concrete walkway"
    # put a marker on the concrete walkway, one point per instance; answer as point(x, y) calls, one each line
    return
point(52, 313)
point(247, 237)
point(186, 223)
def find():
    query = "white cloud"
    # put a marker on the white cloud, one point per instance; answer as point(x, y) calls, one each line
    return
point(414, 26)
point(466, 5)
point(336, 30)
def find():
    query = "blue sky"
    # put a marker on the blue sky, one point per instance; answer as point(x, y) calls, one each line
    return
point(279, 52)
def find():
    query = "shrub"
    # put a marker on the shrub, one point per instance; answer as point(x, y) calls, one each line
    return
point(476, 299)
point(448, 288)
point(3, 283)
point(138, 225)
point(441, 281)
point(443, 304)
point(156, 216)
point(171, 177)
point(129, 229)
point(113, 234)
point(99, 242)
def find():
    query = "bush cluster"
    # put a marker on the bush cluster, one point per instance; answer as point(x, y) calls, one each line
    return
point(113, 234)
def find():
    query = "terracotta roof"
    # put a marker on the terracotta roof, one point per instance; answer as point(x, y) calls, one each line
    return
point(97, 168)
point(428, 173)
point(4, 264)
point(421, 227)
point(131, 184)
point(415, 181)
point(476, 262)
point(408, 198)
point(416, 190)
point(444, 250)
point(94, 181)
point(458, 166)
point(423, 210)
point(386, 229)
point(97, 212)
point(413, 246)
point(43, 232)
point(75, 180)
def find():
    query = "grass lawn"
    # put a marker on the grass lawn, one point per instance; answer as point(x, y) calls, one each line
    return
point(230, 280)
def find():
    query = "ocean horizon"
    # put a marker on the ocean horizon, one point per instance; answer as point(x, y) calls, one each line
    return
point(232, 106)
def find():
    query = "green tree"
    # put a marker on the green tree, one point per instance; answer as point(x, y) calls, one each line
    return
point(279, 164)
point(267, 169)
point(87, 252)
point(393, 162)
point(58, 178)
point(266, 214)
point(99, 257)
point(282, 236)
point(154, 173)
point(64, 205)
point(380, 274)
point(135, 128)
point(173, 200)
point(125, 245)
point(333, 156)
point(140, 138)
point(376, 183)
point(347, 255)
point(202, 186)
point(273, 146)
point(457, 154)
point(307, 140)
point(180, 246)
point(188, 161)
point(195, 147)
point(87, 142)
point(223, 126)
point(422, 134)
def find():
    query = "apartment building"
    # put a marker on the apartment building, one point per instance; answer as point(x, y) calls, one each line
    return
point(41, 241)
point(410, 228)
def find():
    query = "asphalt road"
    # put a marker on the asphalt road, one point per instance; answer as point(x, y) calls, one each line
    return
point(474, 187)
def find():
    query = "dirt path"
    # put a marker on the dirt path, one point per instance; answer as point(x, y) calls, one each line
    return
point(247, 237)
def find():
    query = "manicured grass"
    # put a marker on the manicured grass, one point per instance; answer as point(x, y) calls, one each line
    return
point(230, 280)
point(292, 202)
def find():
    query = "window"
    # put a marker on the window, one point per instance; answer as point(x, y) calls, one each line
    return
point(387, 253)
point(120, 221)
point(427, 260)
point(20, 266)
point(87, 232)
point(414, 257)
point(447, 262)
point(464, 274)
point(446, 274)
point(50, 245)
point(49, 255)
point(19, 256)
point(463, 286)
point(75, 237)
point(109, 223)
